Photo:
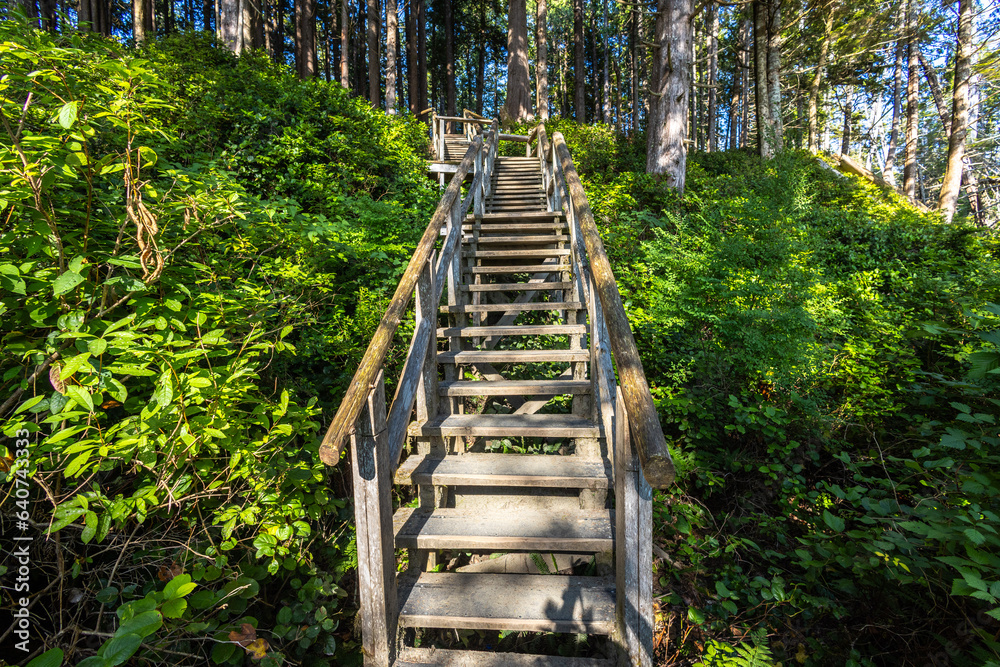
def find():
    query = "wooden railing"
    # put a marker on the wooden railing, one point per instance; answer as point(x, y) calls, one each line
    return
point(471, 124)
point(611, 340)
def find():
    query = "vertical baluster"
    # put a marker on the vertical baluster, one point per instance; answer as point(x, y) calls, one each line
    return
point(373, 516)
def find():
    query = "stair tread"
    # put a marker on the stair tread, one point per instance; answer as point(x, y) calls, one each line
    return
point(513, 227)
point(423, 657)
point(514, 388)
point(509, 356)
point(539, 603)
point(516, 330)
point(514, 287)
point(514, 425)
point(504, 307)
point(527, 470)
point(532, 215)
point(502, 530)
point(523, 268)
point(526, 238)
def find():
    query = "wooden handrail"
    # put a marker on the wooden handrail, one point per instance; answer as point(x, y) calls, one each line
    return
point(644, 423)
point(461, 119)
point(514, 137)
point(472, 114)
point(362, 383)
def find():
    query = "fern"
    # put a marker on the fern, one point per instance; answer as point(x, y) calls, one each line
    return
point(756, 653)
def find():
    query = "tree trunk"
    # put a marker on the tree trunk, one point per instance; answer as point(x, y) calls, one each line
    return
point(745, 86)
point(208, 14)
point(634, 65)
point(391, 41)
point(374, 82)
point(889, 172)
point(421, 56)
point(411, 58)
point(948, 201)
point(845, 144)
point(774, 72)
point(142, 15)
point(541, 62)
point(449, 58)
point(765, 146)
point(518, 106)
point(713, 73)
point(606, 76)
point(481, 64)
point(668, 157)
point(817, 80)
point(345, 45)
point(305, 38)
point(935, 85)
point(579, 70)
point(250, 25)
point(912, 103)
point(737, 93)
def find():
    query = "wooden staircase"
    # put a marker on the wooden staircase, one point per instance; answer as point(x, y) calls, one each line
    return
point(520, 442)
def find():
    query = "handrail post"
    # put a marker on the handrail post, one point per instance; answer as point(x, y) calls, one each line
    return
point(633, 545)
point(373, 517)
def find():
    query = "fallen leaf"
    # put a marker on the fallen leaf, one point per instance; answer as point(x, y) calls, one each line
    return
point(55, 380)
point(244, 636)
point(166, 573)
point(257, 649)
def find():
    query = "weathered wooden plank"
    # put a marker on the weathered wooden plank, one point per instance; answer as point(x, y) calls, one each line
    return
point(547, 238)
point(511, 356)
point(541, 426)
point(509, 307)
point(535, 215)
point(522, 602)
point(526, 530)
point(423, 657)
point(507, 254)
point(516, 330)
point(522, 268)
point(650, 443)
point(373, 518)
point(515, 387)
point(474, 469)
point(514, 287)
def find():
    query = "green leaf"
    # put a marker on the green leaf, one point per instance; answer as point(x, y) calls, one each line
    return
point(174, 608)
point(178, 587)
point(696, 616)
point(68, 113)
point(143, 624)
point(833, 521)
point(222, 653)
point(63, 520)
point(90, 519)
point(74, 364)
point(721, 589)
point(81, 396)
point(97, 346)
point(107, 595)
point(51, 658)
point(64, 283)
point(120, 648)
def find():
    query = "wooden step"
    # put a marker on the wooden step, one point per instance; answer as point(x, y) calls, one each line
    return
point(520, 217)
point(523, 425)
point(424, 657)
point(505, 307)
point(512, 227)
point(524, 268)
point(512, 356)
point(514, 388)
point(530, 252)
point(516, 330)
point(524, 602)
point(514, 287)
point(520, 470)
point(525, 530)
point(549, 238)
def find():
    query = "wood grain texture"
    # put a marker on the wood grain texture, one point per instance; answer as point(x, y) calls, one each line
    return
point(513, 307)
point(515, 287)
point(511, 356)
point(424, 657)
point(526, 530)
point(533, 215)
point(650, 443)
point(508, 601)
point(474, 469)
point(541, 426)
point(514, 330)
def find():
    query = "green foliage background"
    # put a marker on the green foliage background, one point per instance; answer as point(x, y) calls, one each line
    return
point(823, 356)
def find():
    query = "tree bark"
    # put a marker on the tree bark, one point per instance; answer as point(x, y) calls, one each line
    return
point(142, 15)
point(374, 82)
point(421, 56)
point(411, 58)
point(912, 103)
point(774, 72)
point(579, 70)
point(345, 45)
point(541, 61)
point(481, 64)
point(817, 80)
point(935, 85)
point(889, 171)
point(765, 146)
point(634, 65)
point(449, 58)
point(952, 184)
point(845, 143)
point(391, 42)
point(518, 105)
point(606, 75)
point(713, 73)
point(668, 157)
point(305, 38)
